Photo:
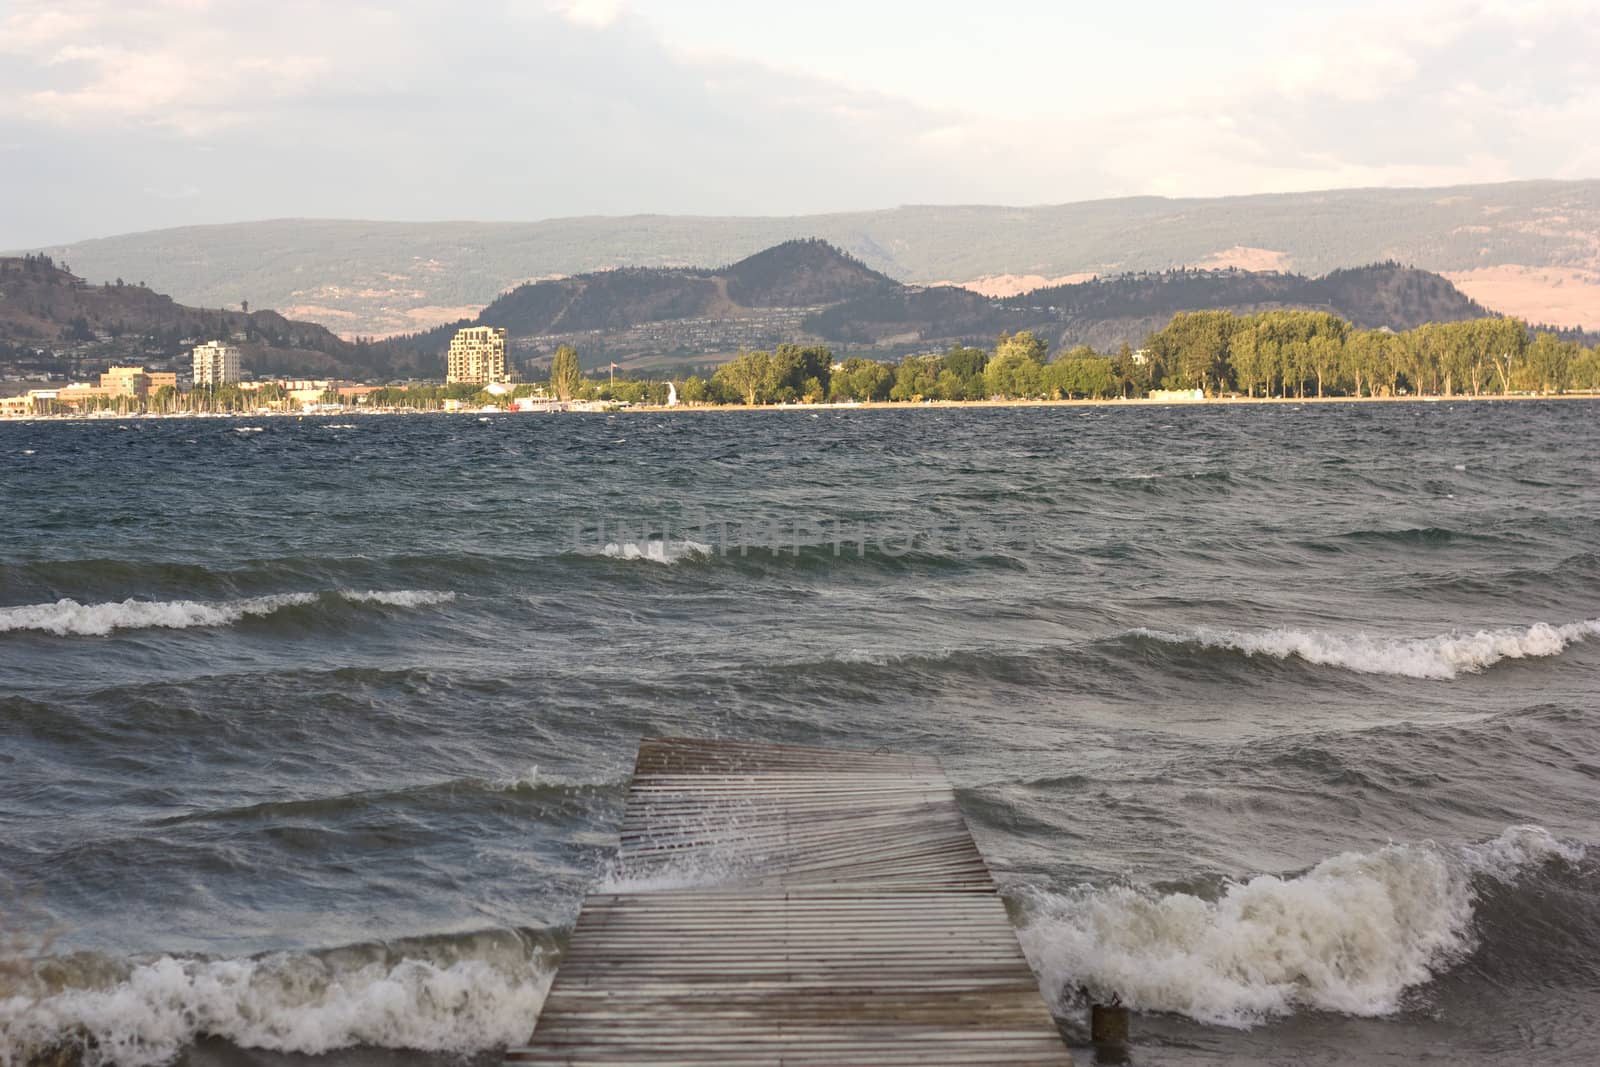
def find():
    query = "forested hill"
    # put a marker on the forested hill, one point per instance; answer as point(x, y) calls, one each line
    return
point(1106, 312)
point(810, 292)
point(799, 274)
point(1383, 294)
point(45, 306)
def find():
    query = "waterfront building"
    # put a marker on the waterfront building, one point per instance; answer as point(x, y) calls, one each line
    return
point(75, 393)
point(477, 356)
point(125, 381)
point(216, 363)
point(20, 406)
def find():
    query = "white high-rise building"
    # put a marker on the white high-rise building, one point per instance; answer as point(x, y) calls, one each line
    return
point(477, 356)
point(216, 364)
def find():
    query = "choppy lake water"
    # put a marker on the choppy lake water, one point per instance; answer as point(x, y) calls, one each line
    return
point(1280, 722)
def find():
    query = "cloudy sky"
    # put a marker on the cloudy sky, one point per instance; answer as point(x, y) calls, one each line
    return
point(119, 115)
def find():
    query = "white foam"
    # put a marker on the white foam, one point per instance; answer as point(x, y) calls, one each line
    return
point(399, 598)
point(511, 783)
point(712, 864)
point(287, 1002)
point(656, 550)
point(1517, 849)
point(1351, 935)
point(70, 618)
point(1442, 657)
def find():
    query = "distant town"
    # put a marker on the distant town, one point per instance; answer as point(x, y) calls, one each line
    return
point(476, 378)
point(1198, 356)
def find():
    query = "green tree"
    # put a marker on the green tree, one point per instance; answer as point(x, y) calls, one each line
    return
point(1133, 371)
point(793, 366)
point(1414, 358)
point(630, 391)
point(1193, 349)
point(1245, 359)
point(566, 374)
point(916, 378)
point(1366, 359)
point(1017, 367)
point(1585, 372)
point(746, 375)
point(1295, 365)
point(1085, 376)
point(862, 379)
point(965, 363)
point(1022, 345)
point(1505, 342)
point(1325, 354)
point(951, 386)
point(1549, 363)
point(692, 390)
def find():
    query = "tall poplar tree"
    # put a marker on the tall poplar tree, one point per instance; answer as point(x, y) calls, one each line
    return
point(566, 375)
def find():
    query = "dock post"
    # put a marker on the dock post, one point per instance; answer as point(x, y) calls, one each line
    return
point(1108, 1029)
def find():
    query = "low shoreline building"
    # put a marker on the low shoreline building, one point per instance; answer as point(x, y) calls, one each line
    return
point(135, 381)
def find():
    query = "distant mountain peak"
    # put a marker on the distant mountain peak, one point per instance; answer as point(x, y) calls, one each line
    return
point(805, 272)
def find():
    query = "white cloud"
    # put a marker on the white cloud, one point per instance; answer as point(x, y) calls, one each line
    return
point(555, 107)
point(31, 27)
point(595, 14)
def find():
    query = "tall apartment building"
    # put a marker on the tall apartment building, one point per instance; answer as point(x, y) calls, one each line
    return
point(216, 364)
point(477, 356)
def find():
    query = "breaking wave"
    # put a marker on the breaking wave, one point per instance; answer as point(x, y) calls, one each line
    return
point(460, 994)
point(70, 618)
point(1352, 935)
point(399, 598)
point(1441, 657)
point(656, 551)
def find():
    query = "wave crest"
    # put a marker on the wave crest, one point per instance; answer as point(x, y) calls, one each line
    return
point(480, 992)
point(1350, 935)
point(1441, 657)
point(68, 617)
point(399, 598)
point(656, 550)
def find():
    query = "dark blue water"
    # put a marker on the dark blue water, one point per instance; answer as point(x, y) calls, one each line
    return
point(1280, 722)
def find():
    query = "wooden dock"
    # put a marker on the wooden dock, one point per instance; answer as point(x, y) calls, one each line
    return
point(778, 905)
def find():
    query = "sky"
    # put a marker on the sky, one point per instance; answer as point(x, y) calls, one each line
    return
point(125, 115)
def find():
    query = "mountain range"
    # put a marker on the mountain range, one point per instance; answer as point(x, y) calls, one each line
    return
point(1526, 248)
point(809, 291)
point(800, 291)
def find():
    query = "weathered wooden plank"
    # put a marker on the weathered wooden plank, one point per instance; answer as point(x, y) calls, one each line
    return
point(834, 911)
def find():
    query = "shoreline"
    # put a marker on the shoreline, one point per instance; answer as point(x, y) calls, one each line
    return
point(908, 405)
point(867, 405)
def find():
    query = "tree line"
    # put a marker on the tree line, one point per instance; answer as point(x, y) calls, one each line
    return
point(1306, 353)
point(1220, 353)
